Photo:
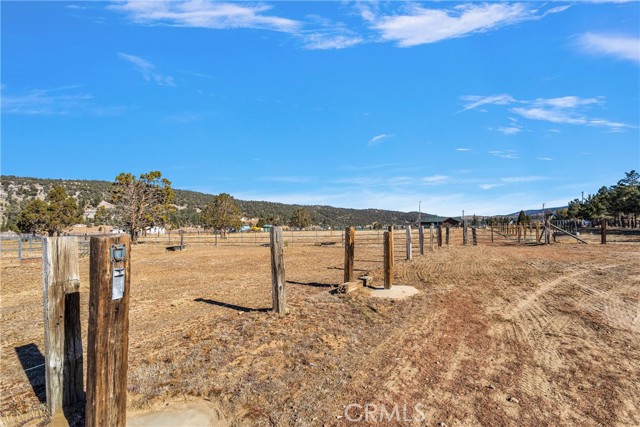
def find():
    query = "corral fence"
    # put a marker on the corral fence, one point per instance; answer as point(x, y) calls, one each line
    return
point(27, 247)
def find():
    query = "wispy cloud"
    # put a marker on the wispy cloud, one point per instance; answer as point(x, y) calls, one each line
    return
point(507, 154)
point(474, 101)
point(563, 110)
point(463, 149)
point(546, 159)
point(488, 186)
point(419, 25)
point(205, 14)
point(510, 130)
point(58, 101)
point(148, 70)
point(324, 41)
point(378, 139)
point(435, 179)
point(619, 46)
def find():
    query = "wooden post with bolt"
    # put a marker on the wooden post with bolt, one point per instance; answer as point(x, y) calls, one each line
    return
point(349, 253)
point(388, 259)
point(62, 333)
point(431, 237)
point(277, 271)
point(108, 341)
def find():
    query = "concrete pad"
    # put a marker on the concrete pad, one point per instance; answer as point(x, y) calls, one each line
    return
point(396, 292)
point(179, 414)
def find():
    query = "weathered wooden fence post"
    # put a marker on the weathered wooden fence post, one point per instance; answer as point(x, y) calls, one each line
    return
point(108, 341)
point(408, 244)
point(388, 258)
point(603, 231)
point(62, 333)
point(537, 231)
point(519, 232)
point(431, 236)
point(474, 236)
point(446, 235)
point(277, 271)
point(421, 239)
point(440, 235)
point(349, 253)
point(547, 229)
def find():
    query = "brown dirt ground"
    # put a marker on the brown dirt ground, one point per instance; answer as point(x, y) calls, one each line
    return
point(500, 335)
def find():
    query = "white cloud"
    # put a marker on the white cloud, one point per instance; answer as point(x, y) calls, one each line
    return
point(474, 101)
point(566, 102)
point(148, 70)
point(488, 186)
point(547, 159)
point(420, 25)
point(205, 14)
point(463, 149)
point(565, 116)
point(435, 179)
point(323, 41)
point(510, 130)
point(58, 101)
point(378, 139)
point(508, 154)
point(619, 46)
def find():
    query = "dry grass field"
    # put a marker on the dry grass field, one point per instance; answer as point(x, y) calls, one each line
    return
point(499, 335)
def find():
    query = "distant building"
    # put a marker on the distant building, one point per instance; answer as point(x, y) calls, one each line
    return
point(156, 230)
point(428, 220)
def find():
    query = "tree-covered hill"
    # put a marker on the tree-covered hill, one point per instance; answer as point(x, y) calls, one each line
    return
point(15, 192)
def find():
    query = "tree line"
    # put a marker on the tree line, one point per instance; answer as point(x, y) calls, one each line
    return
point(139, 203)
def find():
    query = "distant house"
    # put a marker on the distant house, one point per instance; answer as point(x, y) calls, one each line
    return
point(436, 220)
point(156, 230)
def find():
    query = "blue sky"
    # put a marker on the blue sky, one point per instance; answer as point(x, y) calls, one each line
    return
point(486, 107)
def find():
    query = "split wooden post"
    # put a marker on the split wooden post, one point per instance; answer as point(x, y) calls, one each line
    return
point(474, 236)
point(62, 333)
point(446, 235)
point(388, 259)
point(277, 271)
point(603, 232)
point(408, 243)
point(431, 236)
point(108, 341)
point(349, 253)
point(421, 239)
point(440, 235)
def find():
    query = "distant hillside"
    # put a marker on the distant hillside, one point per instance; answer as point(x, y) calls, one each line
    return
point(534, 212)
point(16, 191)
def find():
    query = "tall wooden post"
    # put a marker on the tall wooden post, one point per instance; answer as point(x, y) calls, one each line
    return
point(537, 231)
point(62, 333)
point(464, 232)
point(446, 235)
point(277, 271)
point(547, 230)
point(421, 239)
point(108, 341)
point(474, 236)
point(20, 248)
point(349, 252)
point(431, 236)
point(388, 259)
point(440, 235)
point(182, 238)
point(603, 231)
point(408, 243)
